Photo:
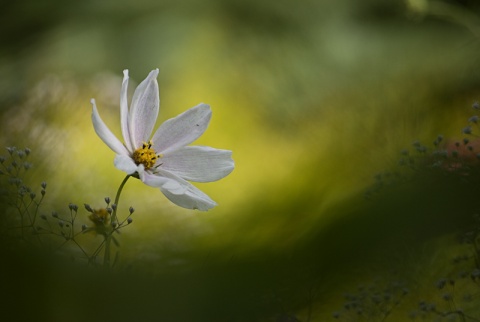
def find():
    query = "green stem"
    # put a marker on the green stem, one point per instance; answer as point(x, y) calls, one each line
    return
point(108, 235)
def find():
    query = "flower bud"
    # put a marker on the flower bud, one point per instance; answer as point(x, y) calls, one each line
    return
point(473, 119)
point(467, 130)
point(88, 208)
point(441, 283)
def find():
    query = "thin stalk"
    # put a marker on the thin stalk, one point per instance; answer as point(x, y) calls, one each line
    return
point(108, 235)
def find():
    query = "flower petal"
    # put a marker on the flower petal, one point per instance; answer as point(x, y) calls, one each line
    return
point(144, 110)
point(198, 163)
point(158, 181)
point(181, 192)
point(183, 129)
point(125, 163)
point(104, 132)
point(124, 113)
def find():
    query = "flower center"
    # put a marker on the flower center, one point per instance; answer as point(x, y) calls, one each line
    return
point(146, 155)
point(100, 217)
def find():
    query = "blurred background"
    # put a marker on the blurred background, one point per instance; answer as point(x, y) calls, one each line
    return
point(314, 98)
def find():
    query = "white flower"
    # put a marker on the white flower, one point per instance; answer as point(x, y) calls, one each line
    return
point(164, 160)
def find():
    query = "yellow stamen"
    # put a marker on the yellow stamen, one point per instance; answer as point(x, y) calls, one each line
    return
point(146, 155)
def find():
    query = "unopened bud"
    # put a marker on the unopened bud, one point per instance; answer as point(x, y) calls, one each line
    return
point(87, 206)
point(467, 130)
point(73, 207)
point(473, 119)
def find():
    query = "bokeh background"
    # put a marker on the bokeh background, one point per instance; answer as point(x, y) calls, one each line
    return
point(313, 97)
